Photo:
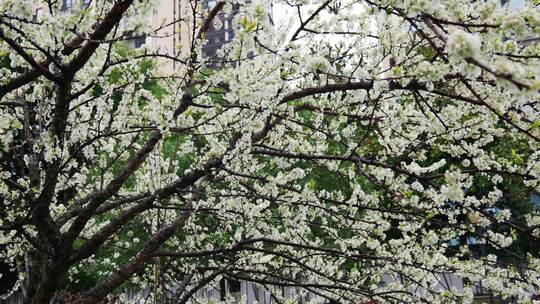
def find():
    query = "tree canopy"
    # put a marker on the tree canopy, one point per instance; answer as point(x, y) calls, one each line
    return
point(347, 142)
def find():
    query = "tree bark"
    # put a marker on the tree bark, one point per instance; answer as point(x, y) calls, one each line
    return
point(43, 279)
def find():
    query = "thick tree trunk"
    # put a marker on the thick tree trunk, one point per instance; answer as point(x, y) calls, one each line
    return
point(43, 279)
point(43, 295)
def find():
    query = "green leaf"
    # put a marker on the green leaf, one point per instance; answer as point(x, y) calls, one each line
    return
point(243, 21)
point(247, 25)
point(430, 215)
point(516, 158)
point(114, 75)
point(251, 26)
point(259, 10)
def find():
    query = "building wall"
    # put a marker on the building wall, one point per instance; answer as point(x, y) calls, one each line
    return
point(169, 38)
point(172, 35)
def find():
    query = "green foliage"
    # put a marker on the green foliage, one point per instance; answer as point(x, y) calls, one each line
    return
point(247, 25)
point(5, 62)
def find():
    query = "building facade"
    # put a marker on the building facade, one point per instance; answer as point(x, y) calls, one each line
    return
point(172, 34)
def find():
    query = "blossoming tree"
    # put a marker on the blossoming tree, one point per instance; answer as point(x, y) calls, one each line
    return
point(353, 141)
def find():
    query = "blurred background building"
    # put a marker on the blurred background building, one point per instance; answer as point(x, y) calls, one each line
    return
point(174, 34)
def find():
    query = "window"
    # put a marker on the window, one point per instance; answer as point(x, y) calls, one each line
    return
point(210, 3)
point(139, 41)
point(210, 52)
point(67, 4)
point(513, 4)
point(535, 199)
point(136, 41)
point(38, 11)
